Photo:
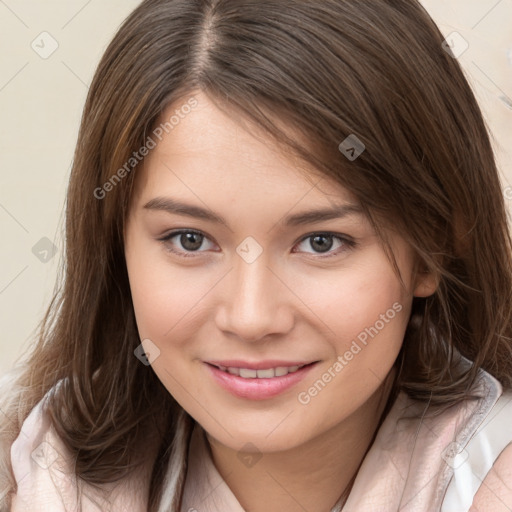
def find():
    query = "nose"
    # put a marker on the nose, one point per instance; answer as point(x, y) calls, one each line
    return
point(256, 302)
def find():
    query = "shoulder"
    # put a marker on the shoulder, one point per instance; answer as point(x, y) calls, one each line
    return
point(495, 492)
point(493, 456)
point(44, 472)
point(36, 454)
point(482, 462)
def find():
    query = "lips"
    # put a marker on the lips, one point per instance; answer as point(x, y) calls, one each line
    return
point(258, 381)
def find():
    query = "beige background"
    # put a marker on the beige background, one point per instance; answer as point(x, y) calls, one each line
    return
point(41, 100)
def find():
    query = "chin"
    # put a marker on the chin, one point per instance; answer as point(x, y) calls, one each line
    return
point(264, 437)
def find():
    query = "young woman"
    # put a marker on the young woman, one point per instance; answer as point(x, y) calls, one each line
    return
point(287, 275)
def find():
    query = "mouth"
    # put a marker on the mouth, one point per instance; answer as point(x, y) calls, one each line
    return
point(262, 373)
point(258, 381)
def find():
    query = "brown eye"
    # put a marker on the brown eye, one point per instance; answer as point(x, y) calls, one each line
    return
point(191, 241)
point(184, 241)
point(322, 243)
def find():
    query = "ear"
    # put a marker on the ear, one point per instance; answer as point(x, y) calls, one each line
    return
point(425, 283)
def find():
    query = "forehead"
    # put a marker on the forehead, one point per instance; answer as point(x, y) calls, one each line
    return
point(212, 151)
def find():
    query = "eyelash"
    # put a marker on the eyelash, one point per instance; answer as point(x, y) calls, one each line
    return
point(349, 244)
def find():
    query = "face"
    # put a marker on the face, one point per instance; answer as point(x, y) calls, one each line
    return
point(238, 288)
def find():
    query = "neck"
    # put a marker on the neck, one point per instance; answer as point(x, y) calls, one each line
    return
point(311, 476)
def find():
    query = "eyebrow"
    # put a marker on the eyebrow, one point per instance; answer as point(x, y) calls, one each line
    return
point(173, 206)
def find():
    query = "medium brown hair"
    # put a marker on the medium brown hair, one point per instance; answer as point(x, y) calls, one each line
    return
point(330, 68)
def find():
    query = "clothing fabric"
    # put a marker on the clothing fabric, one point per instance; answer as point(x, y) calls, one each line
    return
point(451, 462)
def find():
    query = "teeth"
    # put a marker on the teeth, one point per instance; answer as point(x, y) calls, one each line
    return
point(265, 374)
point(281, 370)
point(248, 373)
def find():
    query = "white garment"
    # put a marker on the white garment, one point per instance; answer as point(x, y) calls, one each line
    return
point(474, 461)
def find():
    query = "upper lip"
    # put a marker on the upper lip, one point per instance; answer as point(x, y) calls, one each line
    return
point(258, 365)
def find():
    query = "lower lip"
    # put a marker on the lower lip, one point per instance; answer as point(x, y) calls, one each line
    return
point(258, 389)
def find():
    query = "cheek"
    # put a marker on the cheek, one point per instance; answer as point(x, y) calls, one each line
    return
point(164, 296)
point(380, 308)
point(372, 301)
point(347, 302)
point(364, 311)
point(368, 325)
point(166, 306)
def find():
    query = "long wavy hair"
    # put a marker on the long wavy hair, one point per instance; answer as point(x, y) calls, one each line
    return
point(329, 69)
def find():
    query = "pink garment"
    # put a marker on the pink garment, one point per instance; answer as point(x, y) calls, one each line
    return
point(43, 471)
point(436, 464)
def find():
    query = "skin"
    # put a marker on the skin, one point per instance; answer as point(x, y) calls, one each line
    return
point(290, 303)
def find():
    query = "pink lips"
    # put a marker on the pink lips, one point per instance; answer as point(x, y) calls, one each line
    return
point(257, 388)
